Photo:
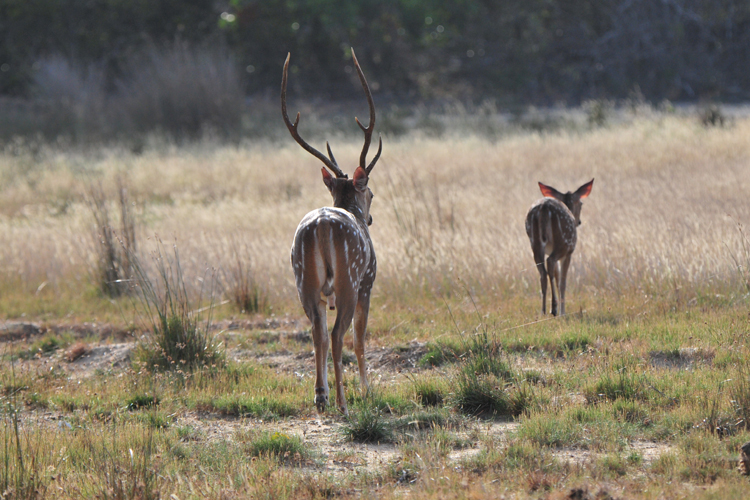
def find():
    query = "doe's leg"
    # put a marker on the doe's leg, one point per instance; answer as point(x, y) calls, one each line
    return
point(554, 279)
point(564, 264)
point(539, 259)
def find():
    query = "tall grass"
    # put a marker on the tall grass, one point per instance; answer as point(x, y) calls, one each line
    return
point(114, 248)
point(448, 213)
point(242, 286)
point(179, 338)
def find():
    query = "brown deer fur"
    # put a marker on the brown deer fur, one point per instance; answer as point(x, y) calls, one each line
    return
point(333, 257)
point(551, 227)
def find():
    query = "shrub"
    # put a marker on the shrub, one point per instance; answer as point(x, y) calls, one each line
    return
point(71, 98)
point(711, 115)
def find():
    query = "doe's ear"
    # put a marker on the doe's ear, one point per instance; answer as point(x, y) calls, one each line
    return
point(549, 191)
point(360, 179)
point(584, 190)
point(327, 178)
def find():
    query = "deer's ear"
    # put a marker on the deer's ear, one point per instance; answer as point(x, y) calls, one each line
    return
point(584, 190)
point(549, 191)
point(327, 178)
point(360, 179)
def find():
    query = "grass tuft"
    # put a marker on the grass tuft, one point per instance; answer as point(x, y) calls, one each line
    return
point(367, 424)
point(429, 391)
point(622, 384)
point(179, 339)
point(279, 446)
point(141, 401)
point(485, 385)
point(249, 406)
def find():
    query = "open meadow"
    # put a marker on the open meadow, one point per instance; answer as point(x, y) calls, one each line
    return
point(641, 391)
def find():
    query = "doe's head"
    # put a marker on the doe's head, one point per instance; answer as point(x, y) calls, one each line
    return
point(570, 200)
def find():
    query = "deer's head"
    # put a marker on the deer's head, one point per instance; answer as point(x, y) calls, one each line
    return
point(350, 194)
point(570, 200)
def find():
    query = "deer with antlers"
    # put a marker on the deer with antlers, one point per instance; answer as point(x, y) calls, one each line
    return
point(333, 257)
point(551, 227)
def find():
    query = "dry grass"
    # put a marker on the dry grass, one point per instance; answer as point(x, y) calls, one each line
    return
point(663, 218)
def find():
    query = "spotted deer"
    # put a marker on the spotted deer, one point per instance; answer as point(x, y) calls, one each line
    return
point(551, 226)
point(333, 257)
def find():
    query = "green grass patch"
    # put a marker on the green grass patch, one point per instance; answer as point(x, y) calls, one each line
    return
point(278, 446)
point(429, 391)
point(440, 353)
point(622, 383)
point(422, 420)
point(249, 406)
point(180, 338)
point(138, 401)
point(366, 423)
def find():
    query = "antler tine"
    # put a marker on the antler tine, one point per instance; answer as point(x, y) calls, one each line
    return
point(371, 125)
point(330, 154)
point(331, 164)
point(377, 156)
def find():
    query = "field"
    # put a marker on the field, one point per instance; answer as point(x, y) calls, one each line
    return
point(641, 391)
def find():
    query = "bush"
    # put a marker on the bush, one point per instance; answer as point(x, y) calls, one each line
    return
point(78, 104)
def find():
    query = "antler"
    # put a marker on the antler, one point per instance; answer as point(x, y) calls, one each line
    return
point(330, 163)
point(370, 126)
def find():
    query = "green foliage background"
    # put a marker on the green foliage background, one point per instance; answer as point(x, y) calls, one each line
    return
point(541, 51)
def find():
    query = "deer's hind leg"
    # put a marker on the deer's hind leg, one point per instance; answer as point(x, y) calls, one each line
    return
point(361, 313)
point(316, 312)
point(539, 259)
point(564, 264)
point(346, 304)
point(554, 279)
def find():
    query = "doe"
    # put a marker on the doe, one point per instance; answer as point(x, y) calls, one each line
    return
point(333, 257)
point(551, 227)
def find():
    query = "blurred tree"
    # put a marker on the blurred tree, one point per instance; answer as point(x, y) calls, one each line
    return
point(542, 51)
point(86, 31)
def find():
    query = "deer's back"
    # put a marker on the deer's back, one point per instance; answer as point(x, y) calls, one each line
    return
point(550, 225)
point(331, 250)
